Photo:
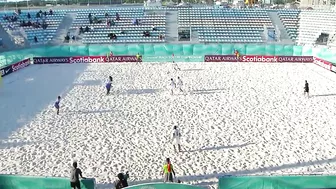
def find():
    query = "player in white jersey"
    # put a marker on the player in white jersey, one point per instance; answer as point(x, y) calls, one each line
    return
point(179, 84)
point(172, 85)
point(176, 139)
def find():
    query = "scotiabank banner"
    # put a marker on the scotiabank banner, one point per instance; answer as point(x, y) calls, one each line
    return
point(14, 67)
point(257, 58)
point(83, 59)
point(323, 63)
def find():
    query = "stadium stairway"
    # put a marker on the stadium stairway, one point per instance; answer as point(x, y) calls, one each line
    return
point(171, 27)
point(194, 37)
point(7, 40)
point(63, 28)
point(284, 37)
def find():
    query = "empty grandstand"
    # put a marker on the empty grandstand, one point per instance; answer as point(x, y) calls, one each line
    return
point(290, 20)
point(316, 24)
point(226, 25)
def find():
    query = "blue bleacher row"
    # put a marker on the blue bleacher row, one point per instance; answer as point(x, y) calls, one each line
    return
point(43, 35)
point(212, 24)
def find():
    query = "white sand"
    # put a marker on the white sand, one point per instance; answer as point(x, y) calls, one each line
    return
point(235, 119)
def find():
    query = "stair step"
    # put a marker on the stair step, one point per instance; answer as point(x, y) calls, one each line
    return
point(63, 28)
point(277, 23)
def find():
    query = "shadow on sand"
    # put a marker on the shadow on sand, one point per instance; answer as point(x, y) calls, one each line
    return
point(323, 95)
point(207, 91)
point(140, 91)
point(90, 111)
point(33, 89)
point(220, 147)
point(4, 144)
point(191, 70)
point(90, 83)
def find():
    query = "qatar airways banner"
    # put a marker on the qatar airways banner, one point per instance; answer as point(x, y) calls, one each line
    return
point(324, 64)
point(83, 59)
point(14, 67)
point(258, 58)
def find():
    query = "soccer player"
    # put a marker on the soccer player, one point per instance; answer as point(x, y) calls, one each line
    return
point(179, 83)
point(57, 104)
point(138, 57)
point(306, 89)
point(168, 171)
point(176, 139)
point(172, 85)
point(109, 85)
point(75, 173)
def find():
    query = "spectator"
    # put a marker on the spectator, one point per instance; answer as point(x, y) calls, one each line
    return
point(236, 52)
point(96, 20)
point(35, 39)
point(14, 18)
point(90, 15)
point(73, 38)
point(153, 28)
point(112, 23)
point(146, 34)
point(81, 30)
point(51, 12)
point(160, 36)
point(112, 36)
point(28, 16)
point(108, 55)
point(40, 12)
point(74, 176)
point(36, 25)
point(67, 39)
point(106, 15)
point(168, 171)
point(10, 27)
point(135, 22)
point(45, 13)
point(38, 15)
point(122, 181)
point(117, 16)
point(87, 29)
point(44, 25)
point(19, 11)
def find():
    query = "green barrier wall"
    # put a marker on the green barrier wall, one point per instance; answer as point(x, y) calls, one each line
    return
point(278, 182)
point(163, 186)
point(163, 52)
point(25, 182)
